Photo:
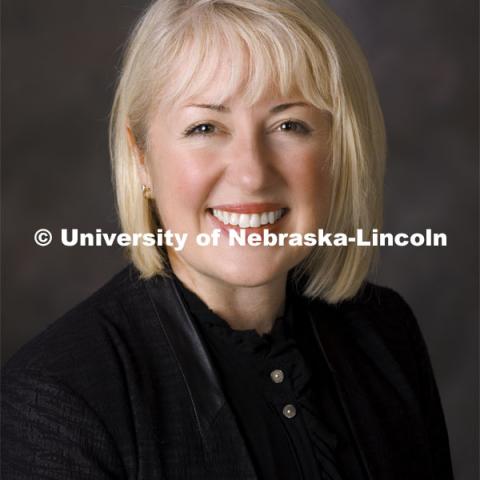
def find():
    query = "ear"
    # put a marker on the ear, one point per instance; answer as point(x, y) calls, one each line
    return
point(140, 160)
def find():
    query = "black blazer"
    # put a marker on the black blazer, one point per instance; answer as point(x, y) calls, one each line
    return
point(122, 387)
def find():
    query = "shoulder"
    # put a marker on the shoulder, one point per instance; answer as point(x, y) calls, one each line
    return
point(382, 309)
point(85, 334)
point(378, 299)
point(59, 387)
point(379, 323)
point(87, 381)
point(382, 320)
point(385, 311)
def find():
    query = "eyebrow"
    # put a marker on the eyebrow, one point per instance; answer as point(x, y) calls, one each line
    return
point(223, 109)
point(286, 106)
point(210, 106)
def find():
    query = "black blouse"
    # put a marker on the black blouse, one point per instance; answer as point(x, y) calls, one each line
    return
point(281, 393)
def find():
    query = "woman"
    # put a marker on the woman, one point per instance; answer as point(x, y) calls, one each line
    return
point(228, 361)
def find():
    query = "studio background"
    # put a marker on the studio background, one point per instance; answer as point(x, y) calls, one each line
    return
point(59, 64)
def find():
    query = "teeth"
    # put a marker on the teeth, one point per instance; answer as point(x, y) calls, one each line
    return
point(255, 220)
point(234, 218)
point(246, 220)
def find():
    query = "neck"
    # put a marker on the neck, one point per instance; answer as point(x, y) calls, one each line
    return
point(242, 307)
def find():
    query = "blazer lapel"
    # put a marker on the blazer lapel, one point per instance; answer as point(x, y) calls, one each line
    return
point(224, 446)
point(369, 383)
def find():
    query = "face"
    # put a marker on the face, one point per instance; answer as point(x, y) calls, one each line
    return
point(234, 166)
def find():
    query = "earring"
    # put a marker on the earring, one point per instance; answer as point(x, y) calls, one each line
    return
point(147, 192)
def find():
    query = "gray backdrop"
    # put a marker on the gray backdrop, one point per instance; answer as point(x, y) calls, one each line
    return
point(59, 65)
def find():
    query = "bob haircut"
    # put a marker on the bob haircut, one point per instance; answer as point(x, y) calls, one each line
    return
point(291, 45)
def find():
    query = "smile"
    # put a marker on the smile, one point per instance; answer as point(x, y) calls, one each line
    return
point(248, 220)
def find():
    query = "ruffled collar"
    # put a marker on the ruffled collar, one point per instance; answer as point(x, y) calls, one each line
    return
point(277, 349)
point(245, 340)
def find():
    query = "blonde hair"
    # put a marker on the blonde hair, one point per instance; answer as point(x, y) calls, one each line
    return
point(296, 45)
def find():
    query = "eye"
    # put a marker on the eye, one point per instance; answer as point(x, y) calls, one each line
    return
point(200, 129)
point(294, 126)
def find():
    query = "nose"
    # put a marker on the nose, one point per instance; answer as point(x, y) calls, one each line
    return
point(250, 165)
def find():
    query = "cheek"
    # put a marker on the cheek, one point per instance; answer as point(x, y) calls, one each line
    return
point(310, 181)
point(182, 182)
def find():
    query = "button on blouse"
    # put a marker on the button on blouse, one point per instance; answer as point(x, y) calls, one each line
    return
point(269, 386)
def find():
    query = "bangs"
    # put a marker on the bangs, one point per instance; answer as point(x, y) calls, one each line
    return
point(251, 55)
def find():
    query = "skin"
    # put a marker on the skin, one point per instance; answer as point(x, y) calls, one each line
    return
point(201, 155)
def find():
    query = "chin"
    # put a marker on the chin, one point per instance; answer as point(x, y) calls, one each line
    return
point(248, 274)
